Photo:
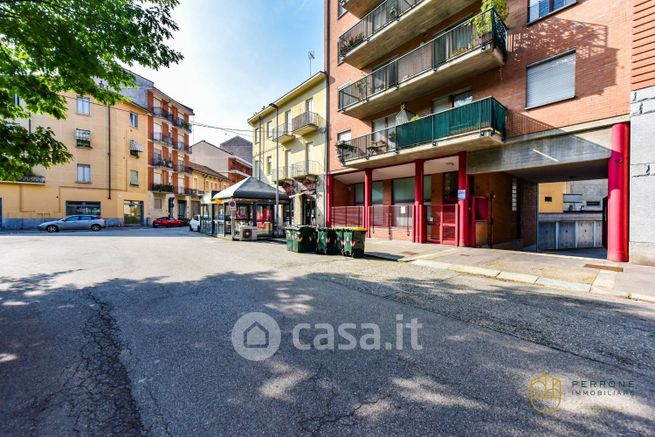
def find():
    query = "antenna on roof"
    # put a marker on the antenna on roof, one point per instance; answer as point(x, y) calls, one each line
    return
point(311, 56)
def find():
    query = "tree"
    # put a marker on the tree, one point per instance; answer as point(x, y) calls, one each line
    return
point(48, 47)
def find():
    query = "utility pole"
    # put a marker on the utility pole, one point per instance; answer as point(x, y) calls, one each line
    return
point(277, 169)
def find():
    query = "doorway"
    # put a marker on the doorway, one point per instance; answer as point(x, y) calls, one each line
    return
point(309, 210)
point(132, 213)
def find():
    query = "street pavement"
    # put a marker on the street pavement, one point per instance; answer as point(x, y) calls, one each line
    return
point(130, 333)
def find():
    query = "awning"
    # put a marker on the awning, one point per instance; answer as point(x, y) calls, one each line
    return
point(251, 188)
point(136, 147)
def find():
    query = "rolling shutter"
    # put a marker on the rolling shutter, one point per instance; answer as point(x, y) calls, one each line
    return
point(551, 81)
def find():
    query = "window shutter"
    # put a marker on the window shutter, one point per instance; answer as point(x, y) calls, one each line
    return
point(551, 81)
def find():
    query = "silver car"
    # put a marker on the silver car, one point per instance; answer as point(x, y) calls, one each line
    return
point(72, 222)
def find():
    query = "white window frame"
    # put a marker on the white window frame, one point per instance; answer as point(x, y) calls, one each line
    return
point(85, 173)
point(134, 119)
point(83, 105)
point(134, 182)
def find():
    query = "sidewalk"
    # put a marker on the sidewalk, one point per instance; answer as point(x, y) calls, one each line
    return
point(564, 272)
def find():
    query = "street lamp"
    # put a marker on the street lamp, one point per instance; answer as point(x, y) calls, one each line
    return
point(277, 169)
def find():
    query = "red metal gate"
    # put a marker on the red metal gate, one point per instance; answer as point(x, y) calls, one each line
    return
point(348, 216)
point(392, 221)
point(441, 222)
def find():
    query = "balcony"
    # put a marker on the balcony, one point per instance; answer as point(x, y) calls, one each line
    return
point(359, 8)
point(183, 169)
point(160, 162)
point(477, 125)
point(282, 174)
point(307, 169)
point(196, 193)
point(162, 113)
point(471, 48)
point(161, 138)
point(182, 191)
point(392, 24)
point(162, 188)
point(283, 134)
point(306, 123)
point(181, 122)
point(181, 146)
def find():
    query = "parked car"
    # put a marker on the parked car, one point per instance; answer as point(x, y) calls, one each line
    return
point(74, 222)
point(194, 223)
point(167, 222)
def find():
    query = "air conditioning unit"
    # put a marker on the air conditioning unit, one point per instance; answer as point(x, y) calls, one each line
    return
point(246, 233)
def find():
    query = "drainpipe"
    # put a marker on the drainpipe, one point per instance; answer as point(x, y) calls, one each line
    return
point(259, 160)
point(326, 188)
point(109, 154)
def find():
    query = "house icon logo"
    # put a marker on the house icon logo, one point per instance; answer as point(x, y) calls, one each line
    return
point(256, 336)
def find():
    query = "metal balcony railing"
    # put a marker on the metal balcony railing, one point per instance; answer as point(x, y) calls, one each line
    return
point(160, 112)
point(372, 23)
point(282, 130)
point(482, 30)
point(306, 119)
point(307, 168)
point(160, 162)
point(162, 188)
point(479, 116)
point(181, 122)
point(161, 138)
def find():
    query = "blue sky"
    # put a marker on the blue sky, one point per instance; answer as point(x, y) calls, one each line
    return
point(239, 56)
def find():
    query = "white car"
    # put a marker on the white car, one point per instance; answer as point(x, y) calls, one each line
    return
point(194, 224)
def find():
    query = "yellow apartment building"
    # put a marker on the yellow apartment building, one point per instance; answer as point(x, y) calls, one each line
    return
point(289, 149)
point(107, 176)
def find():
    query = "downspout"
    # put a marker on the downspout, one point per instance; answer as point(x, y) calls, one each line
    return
point(259, 155)
point(328, 43)
point(109, 147)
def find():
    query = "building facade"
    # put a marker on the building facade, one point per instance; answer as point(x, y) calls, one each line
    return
point(107, 176)
point(289, 149)
point(205, 182)
point(168, 129)
point(231, 158)
point(444, 118)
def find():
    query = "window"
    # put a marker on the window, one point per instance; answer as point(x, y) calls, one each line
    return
point(341, 10)
point(593, 203)
point(309, 105)
point(134, 119)
point(88, 208)
point(287, 121)
point(16, 100)
point(157, 178)
point(548, 199)
point(83, 137)
point(269, 165)
point(343, 136)
point(450, 186)
point(541, 8)
point(359, 194)
point(403, 191)
point(83, 105)
point(462, 99)
point(269, 129)
point(158, 204)
point(256, 168)
point(440, 104)
point(257, 135)
point(551, 80)
point(84, 173)
point(378, 193)
point(134, 178)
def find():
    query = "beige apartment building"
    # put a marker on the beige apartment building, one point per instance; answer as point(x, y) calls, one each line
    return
point(289, 149)
point(107, 175)
point(205, 182)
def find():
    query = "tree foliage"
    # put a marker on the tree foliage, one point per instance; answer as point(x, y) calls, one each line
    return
point(500, 6)
point(48, 47)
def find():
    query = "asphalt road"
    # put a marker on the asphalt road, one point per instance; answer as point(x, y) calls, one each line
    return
point(130, 332)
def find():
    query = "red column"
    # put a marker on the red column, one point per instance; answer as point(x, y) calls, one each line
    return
point(368, 197)
point(618, 180)
point(464, 222)
point(329, 181)
point(418, 201)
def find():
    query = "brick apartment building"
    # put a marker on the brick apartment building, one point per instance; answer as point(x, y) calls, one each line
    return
point(169, 172)
point(444, 118)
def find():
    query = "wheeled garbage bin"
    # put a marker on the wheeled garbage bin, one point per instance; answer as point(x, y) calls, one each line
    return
point(326, 241)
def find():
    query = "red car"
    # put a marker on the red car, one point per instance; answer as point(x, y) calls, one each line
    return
point(167, 222)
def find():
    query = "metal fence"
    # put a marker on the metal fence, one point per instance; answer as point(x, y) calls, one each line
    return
point(348, 216)
point(392, 217)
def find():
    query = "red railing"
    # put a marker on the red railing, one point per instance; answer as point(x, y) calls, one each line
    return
point(441, 222)
point(392, 217)
point(348, 216)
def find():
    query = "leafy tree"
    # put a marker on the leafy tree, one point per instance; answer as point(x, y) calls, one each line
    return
point(48, 47)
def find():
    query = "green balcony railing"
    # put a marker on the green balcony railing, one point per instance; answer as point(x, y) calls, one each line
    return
point(486, 115)
point(483, 30)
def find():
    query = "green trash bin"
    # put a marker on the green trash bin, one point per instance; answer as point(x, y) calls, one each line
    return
point(339, 240)
point(306, 239)
point(292, 238)
point(326, 241)
point(358, 238)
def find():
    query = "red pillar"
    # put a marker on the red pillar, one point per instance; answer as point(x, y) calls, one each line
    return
point(464, 222)
point(368, 197)
point(329, 184)
point(418, 201)
point(618, 180)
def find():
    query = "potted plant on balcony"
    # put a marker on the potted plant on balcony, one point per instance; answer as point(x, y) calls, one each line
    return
point(482, 24)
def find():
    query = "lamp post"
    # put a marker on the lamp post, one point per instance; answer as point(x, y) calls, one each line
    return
point(276, 227)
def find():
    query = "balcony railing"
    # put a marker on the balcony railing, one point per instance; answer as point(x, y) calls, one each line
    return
point(373, 22)
point(160, 162)
point(160, 112)
point(162, 188)
point(183, 169)
point(282, 173)
point(305, 121)
point(181, 122)
point(283, 133)
point(182, 190)
point(198, 193)
point(32, 179)
point(479, 116)
point(181, 146)
point(161, 138)
point(307, 168)
point(482, 30)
